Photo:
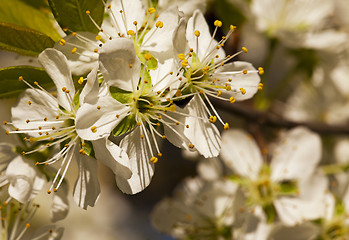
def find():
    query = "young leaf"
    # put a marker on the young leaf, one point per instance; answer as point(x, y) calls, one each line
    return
point(120, 95)
point(12, 87)
point(126, 125)
point(22, 40)
point(71, 14)
point(22, 14)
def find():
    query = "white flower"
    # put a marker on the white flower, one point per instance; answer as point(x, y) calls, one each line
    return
point(288, 188)
point(200, 210)
point(149, 32)
point(136, 101)
point(204, 72)
point(47, 118)
point(185, 6)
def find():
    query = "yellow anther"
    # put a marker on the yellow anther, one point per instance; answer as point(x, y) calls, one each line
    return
point(57, 117)
point(62, 42)
point(130, 32)
point(260, 86)
point(163, 136)
point(232, 27)
point(48, 191)
point(117, 115)
point(228, 87)
point(243, 91)
point(181, 56)
point(53, 128)
point(159, 116)
point(37, 163)
point(260, 71)
point(98, 37)
point(29, 103)
point(23, 153)
point(27, 225)
point(81, 80)
point(74, 34)
point(178, 93)
point(219, 93)
point(213, 119)
point(187, 126)
point(45, 119)
point(191, 145)
point(88, 12)
point(94, 129)
point(83, 144)
point(173, 108)
point(27, 121)
point(109, 6)
point(98, 107)
point(232, 100)
point(151, 10)
point(222, 63)
point(142, 136)
point(244, 71)
point(226, 126)
point(138, 123)
point(159, 154)
point(67, 91)
point(191, 50)
point(95, 50)
point(148, 56)
point(229, 80)
point(197, 33)
point(130, 65)
point(20, 78)
point(55, 189)
point(74, 50)
point(154, 159)
point(64, 89)
point(5, 122)
point(244, 49)
point(218, 23)
point(159, 24)
point(135, 23)
point(185, 63)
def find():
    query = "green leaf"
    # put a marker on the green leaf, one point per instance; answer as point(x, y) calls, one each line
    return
point(288, 187)
point(152, 64)
point(19, 13)
point(88, 148)
point(270, 213)
point(120, 95)
point(22, 40)
point(126, 124)
point(12, 87)
point(71, 14)
point(76, 99)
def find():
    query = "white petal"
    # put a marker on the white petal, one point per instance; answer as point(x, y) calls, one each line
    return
point(119, 64)
point(205, 45)
point(60, 204)
point(104, 118)
point(25, 180)
point(132, 9)
point(82, 63)
point(296, 156)
point(113, 157)
point(241, 153)
point(248, 81)
point(179, 42)
point(139, 154)
point(41, 106)
point(161, 79)
point(201, 132)
point(210, 169)
point(156, 40)
point(86, 190)
point(90, 91)
point(56, 65)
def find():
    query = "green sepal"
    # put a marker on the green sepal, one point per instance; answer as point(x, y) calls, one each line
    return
point(152, 64)
point(339, 208)
point(88, 148)
point(23, 40)
point(146, 78)
point(270, 213)
point(288, 187)
point(76, 99)
point(12, 87)
point(71, 14)
point(21, 14)
point(120, 95)
point(126, 125)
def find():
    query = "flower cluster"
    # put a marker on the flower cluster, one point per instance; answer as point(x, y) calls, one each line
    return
point(148, 75)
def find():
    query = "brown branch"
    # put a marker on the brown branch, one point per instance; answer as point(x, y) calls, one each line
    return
point(269, 119)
